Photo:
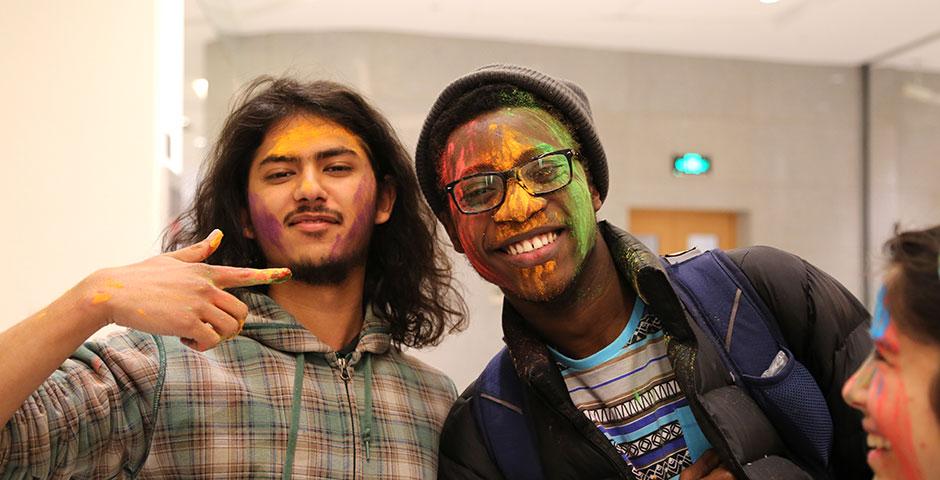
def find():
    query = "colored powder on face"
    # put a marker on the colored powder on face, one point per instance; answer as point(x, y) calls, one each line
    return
point(42, 314)
point(100, 297)
point(114, 284)
point(361, 198)
point(141, 312)
point(888, 407)
point(536, 276)
point(582, 220)
point(268, 229)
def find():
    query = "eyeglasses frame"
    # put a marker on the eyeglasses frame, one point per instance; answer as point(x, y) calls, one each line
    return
point(513, 173)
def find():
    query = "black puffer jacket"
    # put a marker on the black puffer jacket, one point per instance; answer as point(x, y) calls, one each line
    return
point(824, 325)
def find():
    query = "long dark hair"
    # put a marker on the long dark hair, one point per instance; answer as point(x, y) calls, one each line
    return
point(408, 275)
point(914, 290)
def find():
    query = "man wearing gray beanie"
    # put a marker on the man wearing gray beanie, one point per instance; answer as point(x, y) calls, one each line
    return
point(606, 374)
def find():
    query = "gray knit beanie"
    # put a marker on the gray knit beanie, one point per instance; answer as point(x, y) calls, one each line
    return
point(563, 95)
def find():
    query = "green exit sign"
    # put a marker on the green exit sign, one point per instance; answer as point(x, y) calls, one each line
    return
point(691, 164)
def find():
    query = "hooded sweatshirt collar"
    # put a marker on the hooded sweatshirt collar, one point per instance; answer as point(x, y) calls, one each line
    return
point(274, 327)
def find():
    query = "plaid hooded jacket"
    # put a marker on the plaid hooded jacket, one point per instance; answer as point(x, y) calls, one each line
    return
point(272, 403)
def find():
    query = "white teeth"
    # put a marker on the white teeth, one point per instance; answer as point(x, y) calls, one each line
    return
point(874, 441)
point(533, 243)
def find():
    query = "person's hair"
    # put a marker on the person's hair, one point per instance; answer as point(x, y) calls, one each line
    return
point(485, 99)
point(914, 290)
point(408, 275)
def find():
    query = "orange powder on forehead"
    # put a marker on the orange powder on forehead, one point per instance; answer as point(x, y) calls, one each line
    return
point(294, 135)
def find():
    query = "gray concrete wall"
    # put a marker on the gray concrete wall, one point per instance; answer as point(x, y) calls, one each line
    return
point(784, 138)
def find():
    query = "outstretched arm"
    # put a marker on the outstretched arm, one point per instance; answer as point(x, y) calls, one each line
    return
point(170, 294)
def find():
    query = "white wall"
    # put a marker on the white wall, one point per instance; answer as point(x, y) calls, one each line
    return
point(80, 187)
point(905, 181)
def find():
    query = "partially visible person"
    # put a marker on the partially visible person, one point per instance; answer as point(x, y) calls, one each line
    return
point(301, 378)
point(898, 387)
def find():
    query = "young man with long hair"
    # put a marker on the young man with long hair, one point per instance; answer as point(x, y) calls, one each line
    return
point(231, 368)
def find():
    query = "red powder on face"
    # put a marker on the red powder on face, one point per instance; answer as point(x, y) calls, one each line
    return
point(888, 407)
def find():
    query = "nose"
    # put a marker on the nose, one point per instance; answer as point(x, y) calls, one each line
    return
point(518, 205)
point(855, 390)
point(308, 187)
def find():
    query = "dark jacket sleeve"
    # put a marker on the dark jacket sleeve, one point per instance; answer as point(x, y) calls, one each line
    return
point(463, 453)
point(826, 328)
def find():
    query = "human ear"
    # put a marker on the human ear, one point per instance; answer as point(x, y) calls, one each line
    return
point(385, 203)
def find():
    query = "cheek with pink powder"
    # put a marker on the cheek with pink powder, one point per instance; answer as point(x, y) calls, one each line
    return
point(267, 228)
point(361, 198)
point(888, 407)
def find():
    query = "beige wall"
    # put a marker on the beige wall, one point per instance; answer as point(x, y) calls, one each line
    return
point(80, 187)
point(784, 138)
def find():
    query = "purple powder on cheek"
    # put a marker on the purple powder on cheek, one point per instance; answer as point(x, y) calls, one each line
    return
point(362, 218)
point(268, 229)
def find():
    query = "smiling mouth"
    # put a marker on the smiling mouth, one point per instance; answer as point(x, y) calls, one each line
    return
point(877, 442)
point(530, 244)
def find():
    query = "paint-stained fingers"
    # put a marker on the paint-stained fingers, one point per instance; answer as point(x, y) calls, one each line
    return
point(199, 251)
point(232, 277)
point(232, 307)
point(201, 337)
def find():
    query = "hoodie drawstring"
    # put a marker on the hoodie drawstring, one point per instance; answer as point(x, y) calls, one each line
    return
point(294, 415)
point(365, 420)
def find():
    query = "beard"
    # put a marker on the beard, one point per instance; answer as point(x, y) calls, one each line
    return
point(327, 271)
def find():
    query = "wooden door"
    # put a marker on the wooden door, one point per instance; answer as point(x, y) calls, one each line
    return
point(670, 231)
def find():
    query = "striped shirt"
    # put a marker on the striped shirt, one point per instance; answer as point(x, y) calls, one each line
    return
point(628, 389)
point(268, 403)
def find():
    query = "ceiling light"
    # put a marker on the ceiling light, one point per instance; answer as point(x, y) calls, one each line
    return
point(769, 2)
point(201, 88)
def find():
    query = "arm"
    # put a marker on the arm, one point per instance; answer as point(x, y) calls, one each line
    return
point(170, 294)
point(826, 328)
point(463, 452)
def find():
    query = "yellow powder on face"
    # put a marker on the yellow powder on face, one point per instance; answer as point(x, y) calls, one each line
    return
point(294, 136)
point(114, 284)
point(141, 312)
point(100, 297)
point(537, 275)
point(42, 314)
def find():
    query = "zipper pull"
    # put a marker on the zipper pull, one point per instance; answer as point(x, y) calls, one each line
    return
point(343, 368)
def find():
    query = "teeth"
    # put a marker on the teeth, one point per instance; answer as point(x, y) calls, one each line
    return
point(533, 243)
point(874, 441)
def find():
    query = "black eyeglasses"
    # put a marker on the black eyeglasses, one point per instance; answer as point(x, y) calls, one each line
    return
point(543, 174)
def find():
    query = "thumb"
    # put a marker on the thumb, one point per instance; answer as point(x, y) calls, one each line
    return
point(199, 251)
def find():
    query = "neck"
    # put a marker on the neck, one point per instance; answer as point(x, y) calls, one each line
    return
point(333, 313)
point(590, 314)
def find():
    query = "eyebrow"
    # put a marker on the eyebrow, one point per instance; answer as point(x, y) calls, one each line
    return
point(322, 155)
point(486, 168)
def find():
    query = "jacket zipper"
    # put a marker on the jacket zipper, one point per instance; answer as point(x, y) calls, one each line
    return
point(344, 369)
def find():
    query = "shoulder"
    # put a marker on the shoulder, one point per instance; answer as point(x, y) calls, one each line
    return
point(417, 373)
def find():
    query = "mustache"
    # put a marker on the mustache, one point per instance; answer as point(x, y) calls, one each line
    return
point(315, 210)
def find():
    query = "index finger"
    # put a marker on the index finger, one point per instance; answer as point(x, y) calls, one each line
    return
point(233, 277)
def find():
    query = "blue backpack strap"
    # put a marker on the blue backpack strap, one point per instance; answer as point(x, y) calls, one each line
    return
point(724, 304)
point(499, 415)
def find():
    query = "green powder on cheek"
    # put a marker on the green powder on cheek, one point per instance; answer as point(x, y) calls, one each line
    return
point(581, 221)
